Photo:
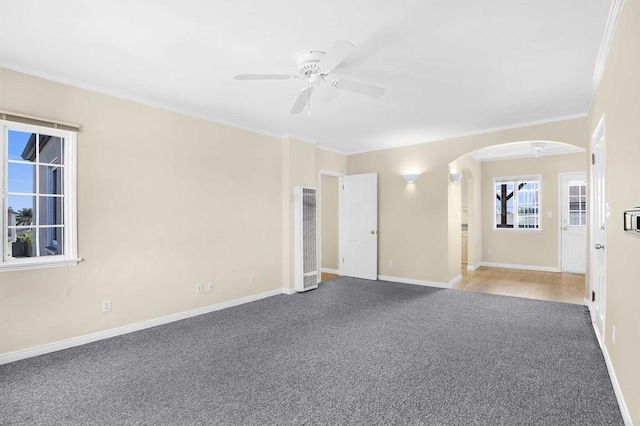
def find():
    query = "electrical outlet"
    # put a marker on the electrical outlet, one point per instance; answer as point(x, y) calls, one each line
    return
point(613, 334)
point(390, 264)
point(106, 306)
point(199, 288)
point(210, 286)
point(252, 279)
point(489, 252)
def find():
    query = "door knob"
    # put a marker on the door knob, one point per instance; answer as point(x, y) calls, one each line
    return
point(565, 228)
point(373, 232)
point(599, 246)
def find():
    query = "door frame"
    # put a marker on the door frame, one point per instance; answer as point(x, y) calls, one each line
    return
point(319, 231)
point(600, 130)
point(560, 189)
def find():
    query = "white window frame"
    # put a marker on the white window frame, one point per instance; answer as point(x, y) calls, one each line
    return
point(515, 228)
point(69, 170)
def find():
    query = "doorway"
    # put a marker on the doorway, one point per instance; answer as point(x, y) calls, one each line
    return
point(573, 222)
point(329, 228)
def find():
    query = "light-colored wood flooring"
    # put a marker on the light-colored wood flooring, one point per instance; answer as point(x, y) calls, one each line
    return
point(553, 286)
point(325, 276)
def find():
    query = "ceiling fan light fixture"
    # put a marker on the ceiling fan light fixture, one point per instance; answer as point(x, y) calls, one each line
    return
point(537, 147)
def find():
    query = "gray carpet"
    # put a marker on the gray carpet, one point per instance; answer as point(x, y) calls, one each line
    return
point(350, 352)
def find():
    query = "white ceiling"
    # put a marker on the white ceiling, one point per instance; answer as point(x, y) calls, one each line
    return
point(450, 67)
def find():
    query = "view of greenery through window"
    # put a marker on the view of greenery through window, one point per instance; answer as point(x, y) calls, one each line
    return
point(35, 196)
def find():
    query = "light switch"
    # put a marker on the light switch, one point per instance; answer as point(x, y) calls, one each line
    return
point(549, 213)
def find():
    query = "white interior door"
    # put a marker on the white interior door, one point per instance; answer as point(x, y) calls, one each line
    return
point(573, 222)
point(598, 265)
point(359, 226)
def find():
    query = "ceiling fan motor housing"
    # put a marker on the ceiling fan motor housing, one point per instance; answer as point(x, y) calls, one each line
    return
point(308, 63)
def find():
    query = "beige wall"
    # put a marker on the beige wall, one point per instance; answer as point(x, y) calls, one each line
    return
point(329, 221)
point(617, 99)
point(413, 220)
point(165, 201)
point(532, 248)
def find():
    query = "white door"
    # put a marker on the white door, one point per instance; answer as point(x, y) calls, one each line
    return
point(359, 226)
point(573, 223)
point(597, 269)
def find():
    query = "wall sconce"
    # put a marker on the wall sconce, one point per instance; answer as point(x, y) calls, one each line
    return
point(455, 177)
point(410, 177)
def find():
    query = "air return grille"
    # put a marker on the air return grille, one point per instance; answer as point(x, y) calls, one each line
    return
point(305, 224)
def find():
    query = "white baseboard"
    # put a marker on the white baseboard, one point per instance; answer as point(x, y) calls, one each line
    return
point(415, 282)
point(525, 267)
point(100, 335)
point(330, 271)
point(473, 267)
point(626, 416)
point(455, 280)
point(289, 291)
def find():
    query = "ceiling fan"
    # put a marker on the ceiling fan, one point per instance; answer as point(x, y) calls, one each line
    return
point(315, 66)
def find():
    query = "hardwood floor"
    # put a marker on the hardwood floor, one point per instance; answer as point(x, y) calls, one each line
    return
point(553, 286)
point(325, 276)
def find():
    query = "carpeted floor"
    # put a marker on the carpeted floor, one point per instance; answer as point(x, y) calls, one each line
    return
point(350, 352)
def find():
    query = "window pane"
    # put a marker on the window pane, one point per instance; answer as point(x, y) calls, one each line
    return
point(528, 196)
point(50, 211)
point(504, 204)
point(21, 178)
point(51, 241)
point(24, 243)
point(573, 191)
point(51, 180)
point(574, 218)
point(21, 146)
point(20, 210)
point(50, 149)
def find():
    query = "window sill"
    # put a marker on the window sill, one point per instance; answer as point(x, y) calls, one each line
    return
point(533, 231)
point(36, 264)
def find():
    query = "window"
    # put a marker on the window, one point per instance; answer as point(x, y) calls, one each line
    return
point(577, 203)
point(517, 203)
point(38, 187)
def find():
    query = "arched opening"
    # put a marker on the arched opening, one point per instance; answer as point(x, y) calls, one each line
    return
point(510, 216)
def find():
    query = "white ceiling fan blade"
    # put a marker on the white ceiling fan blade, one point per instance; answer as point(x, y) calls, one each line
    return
point(338, 53)
point(265, 77)
point(363, 89)
point(302, 100)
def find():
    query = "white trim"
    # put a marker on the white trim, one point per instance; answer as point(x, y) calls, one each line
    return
point(626, 416)
point(524, 267)
point(481, 132)
point(335, 151)
point(330, 271)
point(473, 267)
point(455, 280)
point(415, 282)
point(118, 331)
point(288, 136)
point(605, 46)
point(25, 266)
point(288, 291)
